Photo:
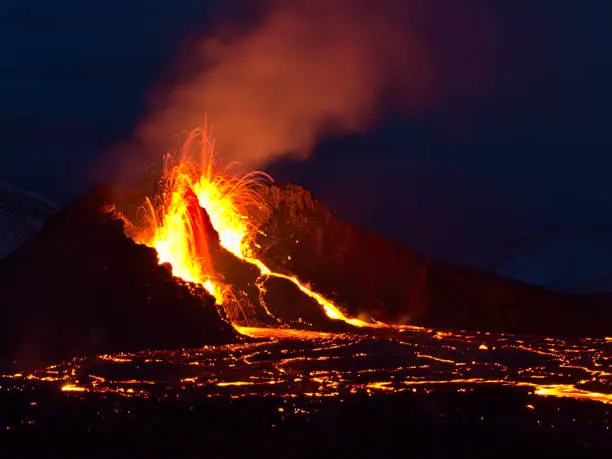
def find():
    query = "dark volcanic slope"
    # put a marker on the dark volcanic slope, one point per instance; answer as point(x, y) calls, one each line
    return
point(370, 274)
point(81, 285)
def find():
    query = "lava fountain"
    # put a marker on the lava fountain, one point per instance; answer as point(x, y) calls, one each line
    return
point(195, 177)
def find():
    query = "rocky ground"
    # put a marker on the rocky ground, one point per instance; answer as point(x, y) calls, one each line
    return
point(438, 424)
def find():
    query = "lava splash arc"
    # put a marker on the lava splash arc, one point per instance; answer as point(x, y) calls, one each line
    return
point(193, 177)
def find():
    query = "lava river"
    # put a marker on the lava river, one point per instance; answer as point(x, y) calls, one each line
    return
point(295, 363)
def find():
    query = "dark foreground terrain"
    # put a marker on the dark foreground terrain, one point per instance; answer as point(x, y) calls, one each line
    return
point(422, 393)
point(488, 422)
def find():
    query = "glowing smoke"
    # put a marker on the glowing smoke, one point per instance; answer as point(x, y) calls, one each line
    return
point(310, 67)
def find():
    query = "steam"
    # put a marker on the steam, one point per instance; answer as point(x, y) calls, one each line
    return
point(308, 68)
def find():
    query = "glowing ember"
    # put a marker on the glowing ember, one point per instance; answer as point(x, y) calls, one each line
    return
point(195, 178)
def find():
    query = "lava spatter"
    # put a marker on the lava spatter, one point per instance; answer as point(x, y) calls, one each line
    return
point(194, 178)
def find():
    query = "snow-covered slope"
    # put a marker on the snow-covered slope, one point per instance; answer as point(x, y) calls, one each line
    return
point(21, 215)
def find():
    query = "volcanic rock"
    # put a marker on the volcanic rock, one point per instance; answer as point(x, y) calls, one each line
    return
point(369, 275)
point(80, 285)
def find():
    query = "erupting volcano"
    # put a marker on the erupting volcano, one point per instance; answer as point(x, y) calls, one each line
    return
point(229, 289)
point(188, 304)
point(195, 179)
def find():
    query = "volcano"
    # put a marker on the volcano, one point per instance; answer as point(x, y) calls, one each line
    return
point(209, 255)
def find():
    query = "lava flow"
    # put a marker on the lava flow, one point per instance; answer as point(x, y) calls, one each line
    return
point(193, 178)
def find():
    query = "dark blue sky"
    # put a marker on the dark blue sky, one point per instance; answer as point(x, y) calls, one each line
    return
point(455, 184)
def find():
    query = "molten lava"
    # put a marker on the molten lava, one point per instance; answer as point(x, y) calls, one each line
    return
point(194, 178)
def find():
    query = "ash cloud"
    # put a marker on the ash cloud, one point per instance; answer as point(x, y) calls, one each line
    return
point(316, 67)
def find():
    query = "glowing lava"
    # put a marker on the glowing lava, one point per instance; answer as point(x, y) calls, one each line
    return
point(194, 178)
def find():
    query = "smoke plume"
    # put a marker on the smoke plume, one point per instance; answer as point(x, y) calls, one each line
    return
point(312, 67)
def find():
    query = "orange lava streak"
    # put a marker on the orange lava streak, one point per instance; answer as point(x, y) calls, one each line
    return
point(233, 205)
point(330, 309)
point(570, 391)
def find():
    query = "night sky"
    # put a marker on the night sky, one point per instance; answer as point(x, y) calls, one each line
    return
point(528, 156)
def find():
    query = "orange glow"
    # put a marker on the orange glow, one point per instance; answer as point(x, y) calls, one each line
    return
point(73, 388)
point(570, 391)
point(278, 333)
point(195, 178)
